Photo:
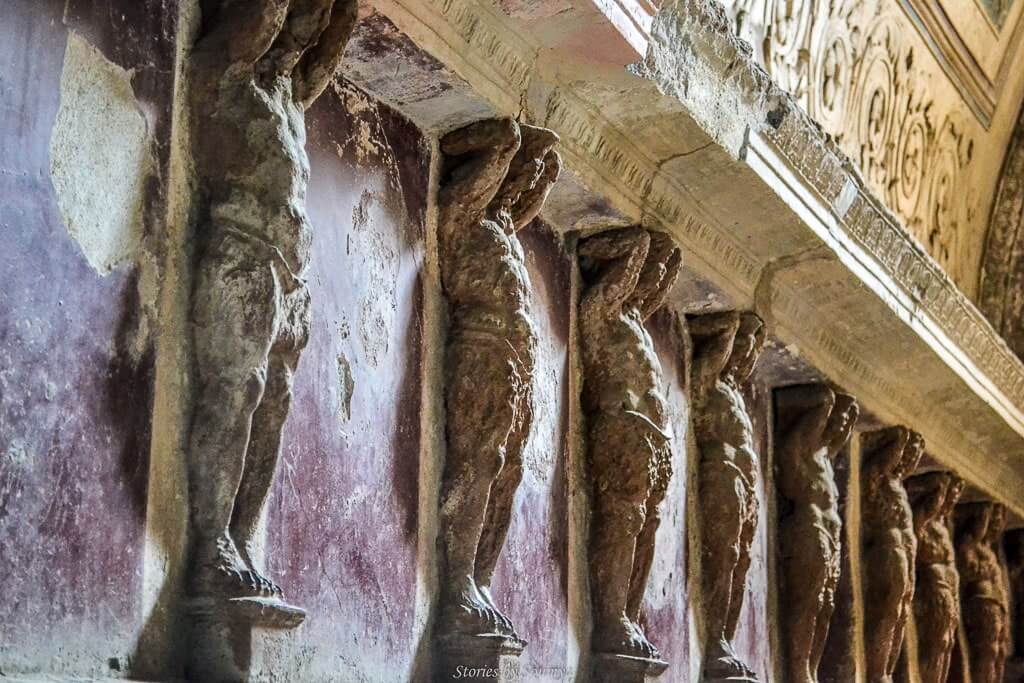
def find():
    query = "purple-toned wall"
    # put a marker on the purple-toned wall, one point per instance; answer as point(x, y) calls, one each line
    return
point(75, 380)
point(343, 517)
point(753, 638)
point(531, 577)
point(667, 613)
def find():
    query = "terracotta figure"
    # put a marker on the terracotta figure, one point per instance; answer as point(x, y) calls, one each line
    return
point(888, 545)
point(496, 177)
point(628, 274)
point(933, 497)
point(984, 595)
point(256, 68)
point(813, 424)
point(726, 347)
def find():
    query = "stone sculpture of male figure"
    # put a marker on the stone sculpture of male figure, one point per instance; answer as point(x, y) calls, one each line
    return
point(933, 497)
point(628, 274)
point(888, 545)
point(813, 424)
point(1014, 544)
point(726, 347)
point(984, 595)
point(497, 175)
point(257, 66)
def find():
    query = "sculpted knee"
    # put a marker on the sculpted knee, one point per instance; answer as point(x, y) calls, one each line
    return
point(252, 386)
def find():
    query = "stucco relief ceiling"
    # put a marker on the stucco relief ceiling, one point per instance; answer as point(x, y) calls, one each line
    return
point(921, 94)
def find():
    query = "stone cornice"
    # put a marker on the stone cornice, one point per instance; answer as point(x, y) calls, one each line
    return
point(698, 141)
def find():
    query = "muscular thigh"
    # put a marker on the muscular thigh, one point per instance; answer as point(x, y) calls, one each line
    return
point(621, 457)
point(482, 396)
point(234, 306)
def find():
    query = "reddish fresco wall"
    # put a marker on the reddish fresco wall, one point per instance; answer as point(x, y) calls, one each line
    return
point(342, 521)
point(74, 402)
point(753, 639)
point(531, 579)
point(666, 613)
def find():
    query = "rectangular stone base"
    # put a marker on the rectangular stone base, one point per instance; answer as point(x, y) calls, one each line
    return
point(477, 659)
point(221, 634)
point(611, 668)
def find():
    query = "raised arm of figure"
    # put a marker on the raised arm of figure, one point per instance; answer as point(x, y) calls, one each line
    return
point(531, 201)
point(320, 62)
point(885, 451)
point(928, 494)
point(912, 455)
point(240, 31)
point(712, 335)
point(480, 153)
point(807, 409)
point(659, 275)
point(841, 422)
point(614, 260)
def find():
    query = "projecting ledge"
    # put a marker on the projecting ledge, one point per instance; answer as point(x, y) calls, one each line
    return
point(695, 139)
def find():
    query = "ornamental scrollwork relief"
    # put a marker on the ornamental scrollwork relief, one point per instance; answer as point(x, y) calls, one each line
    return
point(852, 67)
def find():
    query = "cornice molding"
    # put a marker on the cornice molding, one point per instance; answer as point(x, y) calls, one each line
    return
point(748, 209)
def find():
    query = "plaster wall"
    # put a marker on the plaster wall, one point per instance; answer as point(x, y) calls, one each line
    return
point(78, 279)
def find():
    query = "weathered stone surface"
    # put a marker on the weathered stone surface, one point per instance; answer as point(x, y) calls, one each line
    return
point(1013, 542)
point(255, 69)
point(933, 497)
point(812, 424)
point(1002, 268)
point(496, 177)
point(888, 545)
point(76, 357)
point(984, 595)
point(628, 274)
point(774, 214)
point(726, 347)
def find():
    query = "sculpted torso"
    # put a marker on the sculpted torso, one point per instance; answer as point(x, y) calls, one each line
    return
point(252, 139)
point(623, 344)
point(485, 276)
point(888, 518)
point(722, 422)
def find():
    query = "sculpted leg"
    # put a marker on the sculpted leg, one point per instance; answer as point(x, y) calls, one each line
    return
point(621, 488)
point(502, 497)
point(262, 459)
point(805, 575)
point(746, 543)
point(827, 608)
point(481, 414)
point(883, 593)
point(721, 493)
point(233, 326)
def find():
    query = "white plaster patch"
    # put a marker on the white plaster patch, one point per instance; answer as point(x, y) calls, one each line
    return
point(99, 157)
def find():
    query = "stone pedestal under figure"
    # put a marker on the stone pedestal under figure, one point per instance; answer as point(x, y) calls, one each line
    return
point(628, 273)
point(888, 545)
point(933, 496)
point(984, 595)
point(255, 69)
point(812, 425)
point(496, 176)
point(726, 347)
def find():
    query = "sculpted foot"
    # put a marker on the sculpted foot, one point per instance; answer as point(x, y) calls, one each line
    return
point(645, 644)
point(468, 613)
point(267, 587)
point(221, 571)
point(506, 623)
point(623, 637)
point(722, 663)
